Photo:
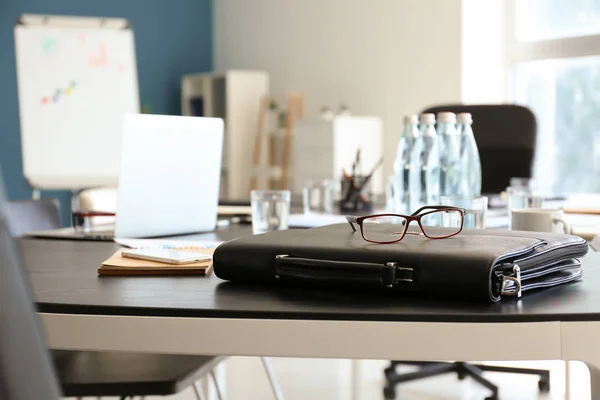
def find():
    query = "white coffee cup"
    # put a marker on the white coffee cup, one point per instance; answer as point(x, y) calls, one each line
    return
point(539, 220)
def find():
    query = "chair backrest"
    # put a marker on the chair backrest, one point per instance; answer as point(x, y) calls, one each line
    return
point(505, 135)
point(32, 215)
point(26, 369)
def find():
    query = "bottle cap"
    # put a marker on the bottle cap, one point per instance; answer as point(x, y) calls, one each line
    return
point(411, 119)
point(445, 116)
point(464, 118)
point(427, 119)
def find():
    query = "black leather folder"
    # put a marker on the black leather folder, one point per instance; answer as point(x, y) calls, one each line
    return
point(484, 264)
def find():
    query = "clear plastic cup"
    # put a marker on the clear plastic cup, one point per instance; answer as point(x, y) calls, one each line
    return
point(270, 210)
point(317, 198)
point(475, 209)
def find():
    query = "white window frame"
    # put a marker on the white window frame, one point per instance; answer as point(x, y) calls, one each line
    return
point(567, 47)
point(516, 52)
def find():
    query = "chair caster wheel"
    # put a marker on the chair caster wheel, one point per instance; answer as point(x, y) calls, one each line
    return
point(389, 393)
point(461, 375)
point(544, 385)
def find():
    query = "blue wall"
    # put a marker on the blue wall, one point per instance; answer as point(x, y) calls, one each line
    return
point(172, 37)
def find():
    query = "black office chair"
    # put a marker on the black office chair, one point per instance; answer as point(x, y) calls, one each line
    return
point(505, 135)
point(87, 373)
point(32, 215)
point(26, 370)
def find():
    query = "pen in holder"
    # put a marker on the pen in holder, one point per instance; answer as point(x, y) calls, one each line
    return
point(356, 195)
point(355, 189)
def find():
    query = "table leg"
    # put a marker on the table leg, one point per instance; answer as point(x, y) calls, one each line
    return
point(567, 380)
point(594, 378)
point(355, 379)
point(579, 342)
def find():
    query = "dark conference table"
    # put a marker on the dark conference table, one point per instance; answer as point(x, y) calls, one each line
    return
point(205, 315)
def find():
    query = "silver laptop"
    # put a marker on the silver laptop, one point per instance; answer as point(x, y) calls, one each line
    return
point(168, 181)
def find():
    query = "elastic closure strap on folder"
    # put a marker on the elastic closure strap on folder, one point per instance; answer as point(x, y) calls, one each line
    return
point(388, 275)
point(511, 285)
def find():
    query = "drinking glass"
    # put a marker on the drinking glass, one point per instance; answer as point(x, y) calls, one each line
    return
point(475, 210)
point(521, 197)
point(318, 197)
point(270, 210)
point(527, 183)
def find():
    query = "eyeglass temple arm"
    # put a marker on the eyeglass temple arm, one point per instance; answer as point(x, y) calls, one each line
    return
point(352, 220)
point(434, 208)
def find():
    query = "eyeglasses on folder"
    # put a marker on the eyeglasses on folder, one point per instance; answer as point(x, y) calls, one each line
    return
point(376, 229)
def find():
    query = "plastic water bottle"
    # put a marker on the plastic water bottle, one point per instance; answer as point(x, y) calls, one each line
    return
point(470, 164)
point(406, 144)
point(449, 154)
point(424, 179)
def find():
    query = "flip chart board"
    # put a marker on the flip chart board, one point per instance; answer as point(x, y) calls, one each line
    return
point(77, 78)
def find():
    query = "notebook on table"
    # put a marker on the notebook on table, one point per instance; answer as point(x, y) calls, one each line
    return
point(117, 265)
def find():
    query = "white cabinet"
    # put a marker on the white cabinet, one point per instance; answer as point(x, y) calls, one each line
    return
point(321, 149)
point(235, 96)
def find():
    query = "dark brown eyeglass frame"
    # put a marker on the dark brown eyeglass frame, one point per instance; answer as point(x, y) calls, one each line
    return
point(416, 216)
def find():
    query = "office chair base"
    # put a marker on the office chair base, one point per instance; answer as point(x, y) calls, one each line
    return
point(462, 369)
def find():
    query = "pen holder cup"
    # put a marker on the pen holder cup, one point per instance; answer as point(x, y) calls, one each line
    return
point(353, 200)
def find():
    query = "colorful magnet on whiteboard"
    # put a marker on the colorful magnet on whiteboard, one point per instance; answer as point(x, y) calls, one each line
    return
point(48, 43)
point(68, 91)
point(45, 100)
point(55, 99)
